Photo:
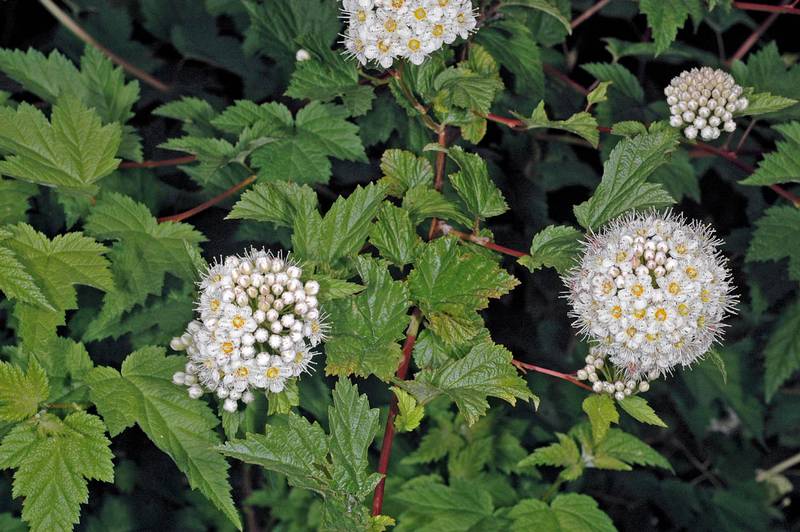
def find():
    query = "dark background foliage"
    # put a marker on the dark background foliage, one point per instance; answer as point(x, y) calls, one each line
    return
point(719, 435)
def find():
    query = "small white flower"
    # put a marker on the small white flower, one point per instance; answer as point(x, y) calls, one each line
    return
point(302, 55)
point(702, 99)
point(651, 292)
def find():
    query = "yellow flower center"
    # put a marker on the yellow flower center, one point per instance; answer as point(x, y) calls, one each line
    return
point(640, 314)
point(637, 290)
point(443, 3)
point(298, 357)
point(616, 312)
point(621, 256)
point(651, 337)
point(701, 321)
point(214, 305)
point(242, 372)
point(315, 327)
point(208, 363)
point(420, 13)
point(661, 314)
point(608, 286)
point(383, 47)
point(680, 248)
point(397, 4)
point(691, 273)
point(361, 15)
point(460, 18)
point(217, 278)
point(437, 30)
point(272, 373)
point(413, 45)
point(705, 296)
point(390, 25)
point(237, 322)
point(678, 344)
point(683, 309)
point(358, 44)
point(631, 331)
point(674, 288)
point(227, 348)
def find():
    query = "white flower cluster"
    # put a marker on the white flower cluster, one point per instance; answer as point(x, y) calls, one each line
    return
point(258, 324)
point(703, 100)
point(384, 30)
point(617, 385)
point(651, 291)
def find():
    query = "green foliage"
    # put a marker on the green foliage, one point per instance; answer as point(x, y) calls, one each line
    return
point(555, 246)
point(625, 173)
point(54, 459)
point(142, 393)
point(21, 392)
point(409, 414)
point(666, 18)
point(582, 124)
point(573, 512)
point(780, 166)
point(473, 184)
point(775, 238)
point(334, 465)
point(639, 410)
point(602, 413)
point(782, 353)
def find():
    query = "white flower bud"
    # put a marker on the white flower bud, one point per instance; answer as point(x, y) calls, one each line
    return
point(302, 55)
point(195, 392)
point(178, 378)
point(312, 288)
point(230, 405)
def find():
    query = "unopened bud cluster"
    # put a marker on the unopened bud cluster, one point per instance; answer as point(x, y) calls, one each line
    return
point(384, 30)
point(258, 324)
point(618, 386)
point(702, 102)
point(651, 292)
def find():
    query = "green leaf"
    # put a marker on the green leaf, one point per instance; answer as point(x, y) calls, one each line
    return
point(621, 78)
point(402, 171)
point(73, 151)
point(624, 186)
point(394, 235)
point(562, 454)
point(598, 94)
point(283, 402)
point(21, 392)
point(451, 283)
point(409, 414)
point(195, 113)
point(423, 202)
point(54, 460)
point(277, 202)
point(14, 197)
point(17, 283)
point(457, 507)
point(144, 252)
point(555, 246)
point(602, 413)
point(782, 353)
point(474, 186)
point(570, 512)
point(629, 449)
point(48, 77)
point(366, 327)
point(761, 103)
point(353, 426)
point(766, 70)
point(639, 410)
point(486, 370)
point(465, 88)
point(547, 6)
point(582, 124)
point(678, 177)
point(513, 44)
point(776, 237)
point(666, 18)
point(782, 165)
point(143, 393)
point(344, 228)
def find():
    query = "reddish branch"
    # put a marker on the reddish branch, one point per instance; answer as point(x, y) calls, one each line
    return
point(157, 164)
point(388, 434)
point(700, 147)
point(83, 35)
point(481, 241)
point(522, 366)
point(751, 6)
point(580, 19)
point(207, 204)
point(438, 183)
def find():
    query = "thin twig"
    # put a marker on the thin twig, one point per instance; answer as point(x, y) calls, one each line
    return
point(750, 6)
point(588, 13)
point(80, 33)
point(438, 183)
point(388, 434)
point(247, 491)
point(574, 85)
point(157, 164)
point(745, 134)
point(759, 31)
point(523, 366)
point(779, 468)
point(207, 204)
point(481, 241)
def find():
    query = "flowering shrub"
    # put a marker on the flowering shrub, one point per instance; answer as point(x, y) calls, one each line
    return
point(429, 265)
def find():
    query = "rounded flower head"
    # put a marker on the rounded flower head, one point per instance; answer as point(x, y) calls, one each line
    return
point(702, 101)
point(384, 30)
point(259, 317)
point(651, 292)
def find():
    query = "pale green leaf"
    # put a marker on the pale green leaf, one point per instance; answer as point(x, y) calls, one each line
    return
point(569, 512)
point(474, 186)
point(782, 165)
point(409, 414)
point(276, 202)
point(402, 171)
point(582, 124)
point(602, 413)
point(21, 392)
point(639, 410)
point(394, 235)
point(629, 449)
point(555, 246)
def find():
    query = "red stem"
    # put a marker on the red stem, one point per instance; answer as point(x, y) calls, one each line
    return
point(482, 241)
point(388, 434)
point(438, 183)
point(751, 6)
point(207, 204)
point(157, 164)
point(588, 13)
point(530, 367)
